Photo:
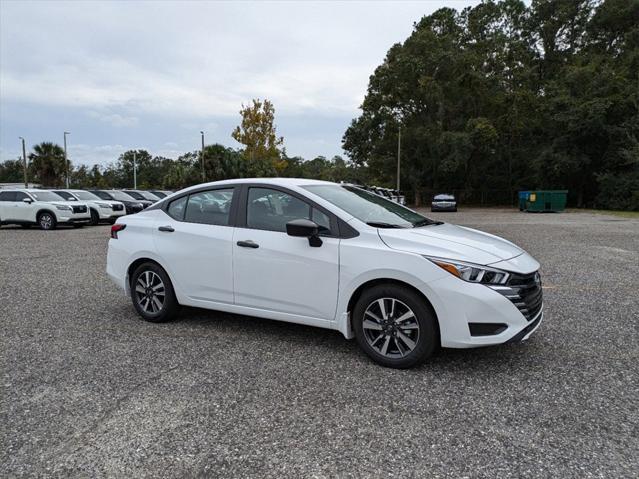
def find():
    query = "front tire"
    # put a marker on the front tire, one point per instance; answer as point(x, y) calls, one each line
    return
point(152, 293)
point(47, 221)
point(95, 218)
point(394, 326)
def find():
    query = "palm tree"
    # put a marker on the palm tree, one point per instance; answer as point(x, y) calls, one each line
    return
point(47, 164)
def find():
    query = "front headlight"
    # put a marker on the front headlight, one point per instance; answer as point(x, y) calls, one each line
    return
point(104, 205)
point(472, 273)
point(63, 207)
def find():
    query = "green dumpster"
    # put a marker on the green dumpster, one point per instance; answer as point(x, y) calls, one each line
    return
point(544, 200)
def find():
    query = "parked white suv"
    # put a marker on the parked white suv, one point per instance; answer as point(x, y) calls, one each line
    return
point(327, 255)
point(100, 210)
point(45, 208)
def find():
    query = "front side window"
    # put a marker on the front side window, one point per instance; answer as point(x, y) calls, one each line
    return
point(211, 207)
point(270, 210)
point(20, 196)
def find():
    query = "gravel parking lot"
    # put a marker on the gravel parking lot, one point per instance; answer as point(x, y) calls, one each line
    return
point(91, 390)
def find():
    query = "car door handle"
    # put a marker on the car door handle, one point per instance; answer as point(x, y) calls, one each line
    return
point(166, 229)
point(248, 244)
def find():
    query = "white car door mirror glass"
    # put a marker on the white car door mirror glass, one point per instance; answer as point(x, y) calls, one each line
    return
point(27, 200)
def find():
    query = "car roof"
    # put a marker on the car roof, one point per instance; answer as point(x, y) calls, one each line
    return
point(267, 181)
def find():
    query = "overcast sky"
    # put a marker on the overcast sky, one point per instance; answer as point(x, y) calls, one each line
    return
point(152, 74)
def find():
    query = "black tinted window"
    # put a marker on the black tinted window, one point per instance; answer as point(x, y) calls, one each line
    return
point(176, 208)
point(271, 209)
point(7, 195)
point(65, 195)
point(211, 207)
point(21, 196)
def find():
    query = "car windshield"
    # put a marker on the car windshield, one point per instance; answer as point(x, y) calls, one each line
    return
point(121, 196)
point(134, 194)
point(370, 208)
point(66, 195)
point(159, 194)
point(46, 196)
point(86, 195)
point(149, 196)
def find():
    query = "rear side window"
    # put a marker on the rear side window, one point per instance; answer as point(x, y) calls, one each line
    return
point(176, 208)
point(212, 207)
point(7, 195)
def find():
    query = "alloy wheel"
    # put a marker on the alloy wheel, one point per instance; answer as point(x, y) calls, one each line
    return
point(46, 221)
point(390, 327)
point(150, 292)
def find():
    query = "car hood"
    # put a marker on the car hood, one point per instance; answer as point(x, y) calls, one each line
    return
point(451, 242)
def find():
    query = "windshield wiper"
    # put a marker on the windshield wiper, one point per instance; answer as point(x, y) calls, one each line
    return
point(380, 224)
point(427, 222)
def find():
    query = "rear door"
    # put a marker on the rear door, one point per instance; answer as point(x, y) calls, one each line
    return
point(277, 272)
point(194, 237)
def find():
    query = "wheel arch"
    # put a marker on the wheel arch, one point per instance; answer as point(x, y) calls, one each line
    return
point(137, 262)
point(378, 281)
point(46, 210)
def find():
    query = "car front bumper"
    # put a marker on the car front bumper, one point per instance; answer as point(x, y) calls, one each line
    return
point(74, 218)
point(110, 214)
point(461, 307)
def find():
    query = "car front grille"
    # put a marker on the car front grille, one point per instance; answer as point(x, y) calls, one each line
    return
point(79, 209)
point(117, 207)
point(525, 292)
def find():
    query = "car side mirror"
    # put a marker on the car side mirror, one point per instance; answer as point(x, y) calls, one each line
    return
point(305, 229)
point(27, 200)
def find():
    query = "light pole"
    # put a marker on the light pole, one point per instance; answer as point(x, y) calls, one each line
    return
point(399, 152)
point(24, 163)
point(66, 160)
point(202, 133)
point(135, 170)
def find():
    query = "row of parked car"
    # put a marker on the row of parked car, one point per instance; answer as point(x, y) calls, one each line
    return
point(49, 208)
point(388, 193)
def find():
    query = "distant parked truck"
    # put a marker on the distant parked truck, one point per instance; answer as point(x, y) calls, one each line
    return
point(539, 201)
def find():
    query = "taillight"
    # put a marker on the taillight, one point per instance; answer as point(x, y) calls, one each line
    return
point(115, 228)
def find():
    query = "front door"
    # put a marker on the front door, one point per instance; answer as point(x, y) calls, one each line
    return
point(277, 272)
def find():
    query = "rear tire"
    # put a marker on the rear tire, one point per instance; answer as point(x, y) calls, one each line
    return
point(95, 218)
point(47, 221)
point(400, 334)
point(152, 293)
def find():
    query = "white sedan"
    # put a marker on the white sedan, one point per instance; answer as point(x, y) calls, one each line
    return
point(327, 255)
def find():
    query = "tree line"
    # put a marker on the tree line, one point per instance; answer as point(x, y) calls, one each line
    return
point(499, 97)
point(504, 96)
